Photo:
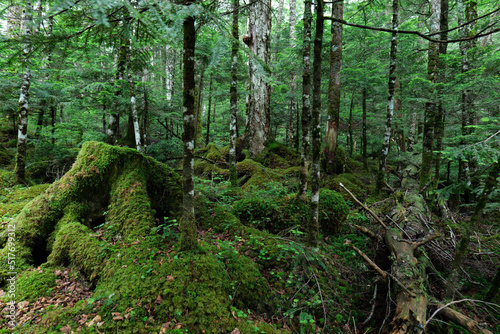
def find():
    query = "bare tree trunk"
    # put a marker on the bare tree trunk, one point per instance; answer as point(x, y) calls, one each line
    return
point(412, 131)
point(133, 104)
point(350, 137)
point(207, 140)
point(390, 99)
point(198, 103)
point(306, 100)
point(22, 133)
point(258, 38)
point(188, 223)
point(233, 92)
point(293, 83)
point(114, 117)
point(364, 139)
point(316, 127)
point(430, 106)
point(334, 86)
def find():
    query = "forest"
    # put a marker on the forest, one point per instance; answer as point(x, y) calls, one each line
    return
point(250, 166)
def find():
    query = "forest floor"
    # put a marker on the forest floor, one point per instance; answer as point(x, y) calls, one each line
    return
point(110, 262)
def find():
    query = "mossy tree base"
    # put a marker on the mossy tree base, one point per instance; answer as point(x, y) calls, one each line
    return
point(105, 184)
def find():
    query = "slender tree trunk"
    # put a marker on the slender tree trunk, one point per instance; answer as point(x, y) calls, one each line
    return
point(349, 126)
point(293, 83)
point(364, 139)
point(390, 99)
point(258, 117)
point(199, 102)
point(188, 224)
point(22, 133)
point(430, 106)
point(306, 100)
point(133, 104)
point(334, 86)
point(495, 285)
point(145, 120)
point(412, 131)
point(316, 127)
point(233, 92)
point(114, 117)
point(207, 140)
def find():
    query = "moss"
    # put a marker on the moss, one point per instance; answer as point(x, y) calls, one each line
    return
point(127, 176)
point(35, 283)
point(277, 155)
point(209, 170)
point(6, 156)
point(278, 213)
point(214, 153)
point(74, 244)
point(15, 198)
point(351, 182)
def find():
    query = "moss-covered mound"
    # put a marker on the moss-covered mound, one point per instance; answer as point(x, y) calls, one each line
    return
point(105, 184)
point(277, 155)
point(279, 213)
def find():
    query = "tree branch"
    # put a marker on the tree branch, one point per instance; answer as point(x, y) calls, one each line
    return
point(412, 32)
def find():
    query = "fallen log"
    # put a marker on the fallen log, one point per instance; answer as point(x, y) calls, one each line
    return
point(404, 240)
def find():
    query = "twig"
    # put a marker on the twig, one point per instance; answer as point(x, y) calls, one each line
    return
point(369, 233)
point(364, 206)
point(373, 307)
point(425, 240)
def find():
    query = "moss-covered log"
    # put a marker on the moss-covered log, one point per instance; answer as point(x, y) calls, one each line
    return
point(105, 184)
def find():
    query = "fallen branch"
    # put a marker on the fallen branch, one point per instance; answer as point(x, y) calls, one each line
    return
point(369, 233)
point(364, 206)
point(458, 318)
point(427, 239)
point(382, 272)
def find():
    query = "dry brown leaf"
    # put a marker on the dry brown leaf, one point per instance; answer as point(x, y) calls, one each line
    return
point(58, 273)
point(114, 314)
point(170, 278)
point(235, 331)
point(66, 329)
point(178, 325)
point(118, 318)
point(158, 300)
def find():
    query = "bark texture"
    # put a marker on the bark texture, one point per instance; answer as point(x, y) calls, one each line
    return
point(114, 117)
point(315, 126)
point(233, 92)
point(391, 97)
point(188, 223)
point(22, 130)
point(431, 105)
point(306, 99)
point(334, 86)
point(258, 37)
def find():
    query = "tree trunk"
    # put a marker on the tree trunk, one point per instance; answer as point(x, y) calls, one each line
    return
point(207, 140)
point(293, 83)
point(430, 106)
point(22, 133)
point(188, 223)
point(316, 127)
point(349, 126)
point(199, 102)
point(114, 118)
point(258, 38)
point(306, 100)
point(390, 99)
point(233, 92)
point(364, 139)
point(133, 104)
point(334, 86)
